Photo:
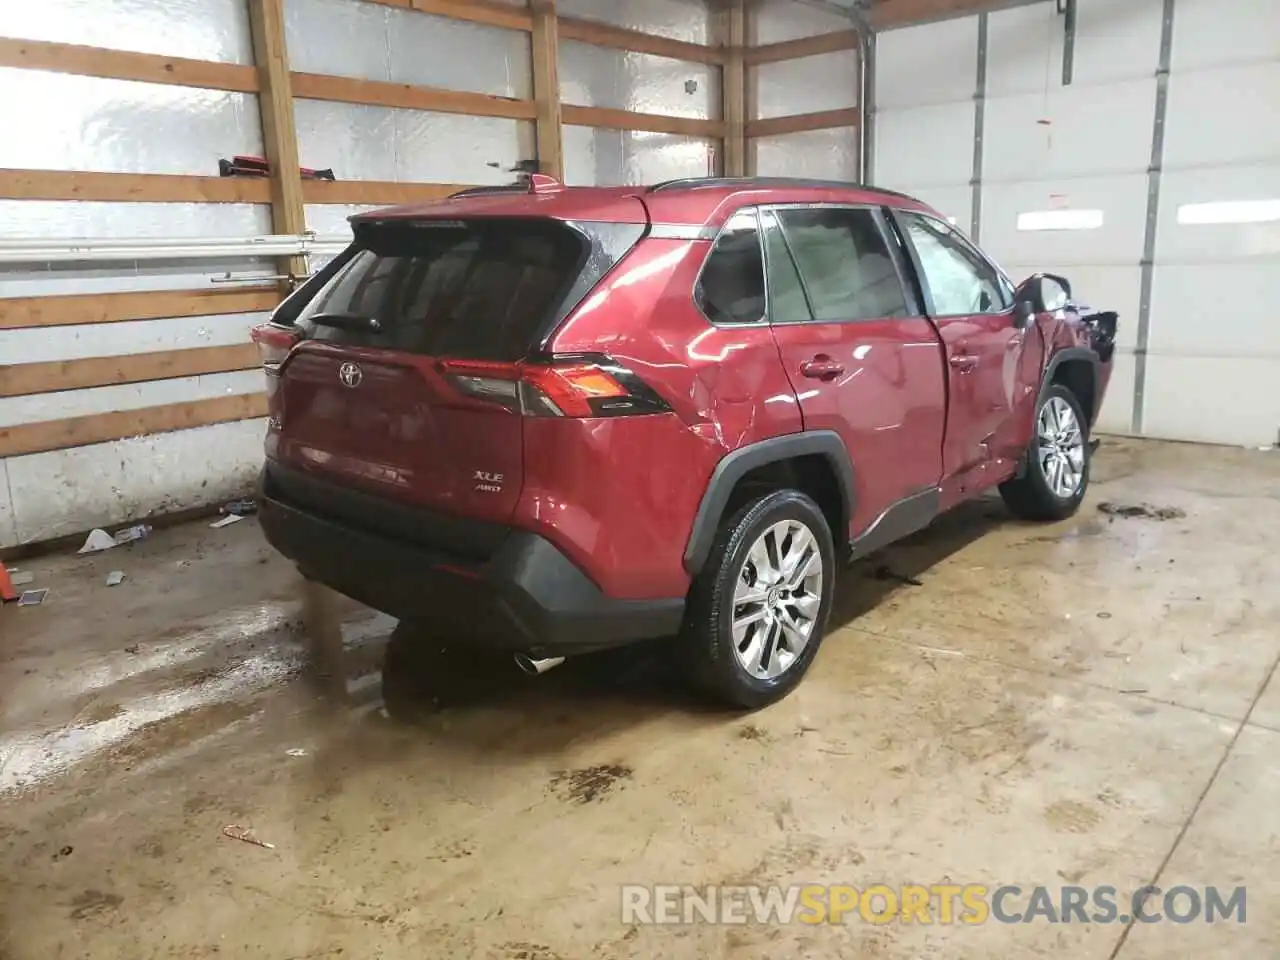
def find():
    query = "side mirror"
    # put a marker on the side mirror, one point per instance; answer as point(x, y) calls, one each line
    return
point(1040, 293)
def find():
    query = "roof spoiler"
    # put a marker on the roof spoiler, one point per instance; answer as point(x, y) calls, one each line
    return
point(525, 183)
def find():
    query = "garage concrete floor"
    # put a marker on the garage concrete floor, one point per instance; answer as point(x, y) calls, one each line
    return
point(1091, 703)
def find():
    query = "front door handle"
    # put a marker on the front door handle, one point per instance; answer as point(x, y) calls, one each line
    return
point(963, 362)
point(821, 367)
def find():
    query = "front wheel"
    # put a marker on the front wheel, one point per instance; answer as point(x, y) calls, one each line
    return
point(758, 609)
point(1056, 474)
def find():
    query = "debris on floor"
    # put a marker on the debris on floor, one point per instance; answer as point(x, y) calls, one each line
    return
point(96, 541)
point(115, 577)
point(226, 521)
point(99, 540)
point(240, 508)
point(237, 832)
point(19, 579)
point(1140, 510)
point(33, 598)
point(885, 572)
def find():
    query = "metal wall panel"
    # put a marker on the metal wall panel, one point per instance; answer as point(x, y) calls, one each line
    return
point(375, 42)
point(677, 19)
point(1077, 133)
point(8, 524)
point(1122, 200)
point(363, 142)
point(330, 219)
point(808, 85)
point(1114, 41)
point(85, 218)
point(592, 76)
point(925, 146)
point(925, 82)
point(1224, 115)
point(823, 154)
point(45, 344)
point(67, 491)
point(926, 65)
point(779, 20)
point(128, 396)
point(597, 157)
point(1214, 345)
point(197, 29)
point(70, 122)
point(1225, 33)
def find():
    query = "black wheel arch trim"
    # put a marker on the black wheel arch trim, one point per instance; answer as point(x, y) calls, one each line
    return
point(1071, 353)
point(736, 465)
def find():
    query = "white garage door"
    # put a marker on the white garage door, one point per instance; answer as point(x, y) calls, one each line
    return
point(1063, 181)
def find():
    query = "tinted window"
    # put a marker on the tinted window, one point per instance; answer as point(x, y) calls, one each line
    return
point(787, 300)
point(731, 287)
point(845, 262)
point(960, 281)
point(480, 290)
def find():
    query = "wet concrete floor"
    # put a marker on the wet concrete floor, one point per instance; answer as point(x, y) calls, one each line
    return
point(1088, 703)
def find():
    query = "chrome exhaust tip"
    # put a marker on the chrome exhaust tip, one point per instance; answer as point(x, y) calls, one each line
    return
point(534, 667)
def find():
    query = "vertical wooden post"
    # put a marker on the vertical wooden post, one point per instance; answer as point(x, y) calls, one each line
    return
point(279, 135)
point(545, 38)
point(750, 88)
point(733, 88)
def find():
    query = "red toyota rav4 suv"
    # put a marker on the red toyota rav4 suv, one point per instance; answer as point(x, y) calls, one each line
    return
point(552, 420)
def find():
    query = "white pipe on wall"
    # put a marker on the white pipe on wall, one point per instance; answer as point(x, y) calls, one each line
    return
point(33, 250)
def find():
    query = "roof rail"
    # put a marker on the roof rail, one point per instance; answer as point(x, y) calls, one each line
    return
point(747, 183)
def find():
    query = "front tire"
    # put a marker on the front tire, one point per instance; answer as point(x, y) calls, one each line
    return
point(758, 610)
point(1056, 473)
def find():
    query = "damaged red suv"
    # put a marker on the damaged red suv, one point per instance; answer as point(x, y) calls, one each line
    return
point(551, 420)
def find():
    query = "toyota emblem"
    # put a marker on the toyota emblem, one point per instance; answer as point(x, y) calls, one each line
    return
point(350, 374)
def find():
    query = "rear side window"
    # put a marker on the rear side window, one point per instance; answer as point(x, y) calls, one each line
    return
point(731, 286)
point(845, 263)
point(476, 290)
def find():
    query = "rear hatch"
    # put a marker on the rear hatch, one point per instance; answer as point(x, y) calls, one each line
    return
point(385, 393)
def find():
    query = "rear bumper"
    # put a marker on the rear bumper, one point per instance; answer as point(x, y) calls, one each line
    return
point(527, 596)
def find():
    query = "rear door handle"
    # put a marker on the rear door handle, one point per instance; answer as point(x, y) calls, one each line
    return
point(821, 367)
point(964, 362)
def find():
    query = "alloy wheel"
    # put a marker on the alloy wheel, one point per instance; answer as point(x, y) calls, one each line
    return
point(776, 599)
point(1060, 446)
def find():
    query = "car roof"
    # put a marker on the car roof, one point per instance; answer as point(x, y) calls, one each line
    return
point(693, 201)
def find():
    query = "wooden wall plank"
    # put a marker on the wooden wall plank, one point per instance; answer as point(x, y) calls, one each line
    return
point(315, 86)
point(126, 65)
point(620, 38)
point(475, 11)
point(17, 313)
point(129, 187)
point(630, 120)
point(30, 438)
point(27, 379)
point(279, 134)
point(804, 47)
point(731, 26)
point(376, 191)
point(549, 126)
point(798, 123)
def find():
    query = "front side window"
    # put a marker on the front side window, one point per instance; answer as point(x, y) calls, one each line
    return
point(960, 281)
point(731, 287)
point(844, 262)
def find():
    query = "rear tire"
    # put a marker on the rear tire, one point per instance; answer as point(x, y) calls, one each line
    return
point(1056, 474)
point(758, 609)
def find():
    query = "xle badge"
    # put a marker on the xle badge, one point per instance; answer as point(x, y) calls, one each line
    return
point(488, 482)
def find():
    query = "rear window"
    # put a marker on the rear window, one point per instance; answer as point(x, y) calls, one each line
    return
point(477, 290)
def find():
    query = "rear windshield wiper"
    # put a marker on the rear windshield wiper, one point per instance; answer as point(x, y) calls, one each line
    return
point(348, 321)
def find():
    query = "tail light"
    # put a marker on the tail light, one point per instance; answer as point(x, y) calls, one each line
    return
point(565, 386)
point(274, 343)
